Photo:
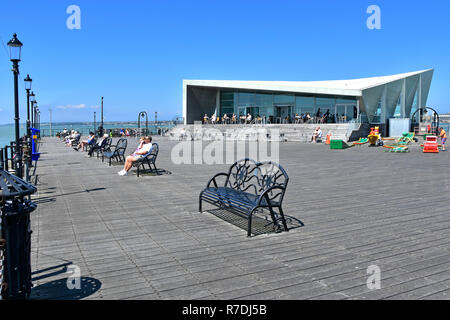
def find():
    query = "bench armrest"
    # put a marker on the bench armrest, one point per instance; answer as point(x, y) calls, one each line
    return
point(266, 193)
point(213, 179)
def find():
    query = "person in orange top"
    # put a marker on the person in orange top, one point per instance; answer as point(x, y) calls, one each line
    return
point(443, 136)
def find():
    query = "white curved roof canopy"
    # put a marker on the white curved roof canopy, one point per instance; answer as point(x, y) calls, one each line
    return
point(353, 87)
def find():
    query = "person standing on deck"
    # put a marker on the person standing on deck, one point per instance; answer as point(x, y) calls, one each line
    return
point(443, 136)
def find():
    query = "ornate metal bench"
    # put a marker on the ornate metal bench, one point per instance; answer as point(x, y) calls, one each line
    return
point(105, 146)
point(88, 145)
point(75, 141)
point(149, 159)
point(249, 186)
point(119, 151)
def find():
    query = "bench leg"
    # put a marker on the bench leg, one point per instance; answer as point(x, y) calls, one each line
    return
point(249, 230)
point(283, 219)
point(156, 170)
point(200, 203)
point(272, 213)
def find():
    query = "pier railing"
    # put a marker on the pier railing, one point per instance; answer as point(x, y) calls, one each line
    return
point(15, 231)
point(157, 130)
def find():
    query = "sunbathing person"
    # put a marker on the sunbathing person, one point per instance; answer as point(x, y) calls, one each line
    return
point(74, 136)
point(100, 144)
point(89, 141)
point(144, 148)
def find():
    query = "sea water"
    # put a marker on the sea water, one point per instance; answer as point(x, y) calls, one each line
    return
point(7, 131)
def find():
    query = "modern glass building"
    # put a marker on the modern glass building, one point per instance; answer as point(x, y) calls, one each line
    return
point(373, 100)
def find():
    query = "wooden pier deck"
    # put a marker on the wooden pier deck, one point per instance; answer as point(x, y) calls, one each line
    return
point(143, 238)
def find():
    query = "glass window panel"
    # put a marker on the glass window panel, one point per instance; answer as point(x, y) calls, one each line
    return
point(304, 105)
point(283, 99)
point(324, 104)
point(227, 102)
point(398, 108)
point(265, 103)
point(415, 104)
point(264, 100)
point(345, 101)
point(246, 99)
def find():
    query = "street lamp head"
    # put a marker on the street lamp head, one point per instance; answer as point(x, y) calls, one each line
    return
point(15, 48)
point(32, 97)
point(28, 81)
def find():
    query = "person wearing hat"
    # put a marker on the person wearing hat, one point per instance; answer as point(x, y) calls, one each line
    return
point(100, 144)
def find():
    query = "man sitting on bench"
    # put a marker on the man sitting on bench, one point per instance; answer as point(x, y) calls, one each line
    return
point(98, 145)
point(144, 148)
point(317, 136)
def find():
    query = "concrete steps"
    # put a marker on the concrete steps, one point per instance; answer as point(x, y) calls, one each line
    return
point(286, 132)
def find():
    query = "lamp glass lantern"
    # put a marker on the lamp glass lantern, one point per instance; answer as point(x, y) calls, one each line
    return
point(28, 81)
point(15, 48)
point(32, 97)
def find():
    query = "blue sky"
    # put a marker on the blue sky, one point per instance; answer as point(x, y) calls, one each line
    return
point(136, 53)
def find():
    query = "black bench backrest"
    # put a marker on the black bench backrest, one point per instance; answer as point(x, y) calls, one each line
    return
point(121, 146)
point(256, 177)
point(105, 145)
point(154, 151)
point(272, 175)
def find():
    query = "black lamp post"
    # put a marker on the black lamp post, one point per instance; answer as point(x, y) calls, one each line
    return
point(95, 124)
point(143, 115)
point(102, 112)
point(15, 49)
point(38, 119)
point(32, 102)
point(28, 81)
point(35, 108)
point(34, 114)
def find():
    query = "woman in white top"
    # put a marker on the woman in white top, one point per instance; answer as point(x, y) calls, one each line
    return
point(144, 149)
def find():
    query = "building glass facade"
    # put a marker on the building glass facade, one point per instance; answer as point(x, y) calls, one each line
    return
point(281, 107)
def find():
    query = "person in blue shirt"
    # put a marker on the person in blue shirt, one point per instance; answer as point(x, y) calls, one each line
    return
point(89, 141)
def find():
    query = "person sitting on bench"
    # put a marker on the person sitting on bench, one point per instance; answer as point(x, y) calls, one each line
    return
point(100, 144)
point(74, 136)
point(317, 136)
point(144, 148)
point(86, 142)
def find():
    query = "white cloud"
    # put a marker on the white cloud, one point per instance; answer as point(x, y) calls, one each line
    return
point(76, 106)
